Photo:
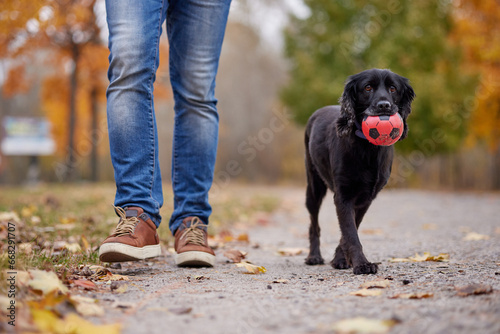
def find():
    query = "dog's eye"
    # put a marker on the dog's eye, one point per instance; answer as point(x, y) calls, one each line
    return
point(392, 89)
point(368, 88)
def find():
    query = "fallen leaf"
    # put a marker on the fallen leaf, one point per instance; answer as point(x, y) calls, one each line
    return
point(375, 231)
point(399, 259)
point(116, 277)
point(442, 257)
point(243, 237)
point(235, 255)
point(364, 325)
point(366, 293)
point(284, 281)
point(473, 236)
point(86, 284)
point(45, 282)
point(87, 307)
point(121, 289)
point(251, 268)
point(28, 211)
point(180, 310)
point(9, 216)
point(380, 284)
point(429, 226)
point(473, 289)
point(48, 322)
point(291, 251)
point(414, 295)
point(122, 304)
point(85, 243)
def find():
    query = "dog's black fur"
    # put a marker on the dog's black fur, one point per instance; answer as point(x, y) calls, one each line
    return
point(354, 169)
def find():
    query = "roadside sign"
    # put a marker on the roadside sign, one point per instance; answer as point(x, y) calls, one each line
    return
point(27, 136)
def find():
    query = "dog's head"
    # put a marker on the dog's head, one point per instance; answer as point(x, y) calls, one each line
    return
point(371, 93)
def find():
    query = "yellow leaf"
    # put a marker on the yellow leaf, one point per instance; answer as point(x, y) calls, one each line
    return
point(46, 281)
point(28, 211)
point(414, 295)
point(366, 293)
point(442, 257)
point(115, 277)
point(291, 251)
point(251, 268)
point(85, 243)
point(363, 325)
point(473, 236)
point(376, 284)
point(420, 258)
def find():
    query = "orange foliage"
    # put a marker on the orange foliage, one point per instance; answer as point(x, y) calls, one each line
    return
point(478, 31)
point(67, 33)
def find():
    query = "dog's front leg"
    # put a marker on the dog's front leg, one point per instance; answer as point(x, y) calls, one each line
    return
point(350, 243)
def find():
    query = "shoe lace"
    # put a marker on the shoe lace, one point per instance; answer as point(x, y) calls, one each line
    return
point(193, 234)
point(126, 225)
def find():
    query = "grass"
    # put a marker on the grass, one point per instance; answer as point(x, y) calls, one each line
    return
point(82, 214)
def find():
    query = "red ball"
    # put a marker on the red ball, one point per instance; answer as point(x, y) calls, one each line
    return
point(383, 130)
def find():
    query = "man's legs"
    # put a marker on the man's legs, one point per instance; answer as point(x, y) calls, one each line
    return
point(134, 36)
point(195, 32)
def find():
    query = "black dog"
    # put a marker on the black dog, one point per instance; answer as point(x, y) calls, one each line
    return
point(338, 157)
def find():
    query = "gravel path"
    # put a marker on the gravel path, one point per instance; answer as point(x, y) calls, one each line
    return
point(294, 298)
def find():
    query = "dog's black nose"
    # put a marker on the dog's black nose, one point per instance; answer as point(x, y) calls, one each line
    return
point(384, 105)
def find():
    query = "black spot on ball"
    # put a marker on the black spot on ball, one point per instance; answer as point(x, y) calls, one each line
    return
point(394, 133)
point(374, 133)
point(384, 117)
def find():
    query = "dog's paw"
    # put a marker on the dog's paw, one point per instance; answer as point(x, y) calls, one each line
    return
point(314, 260)
point(365, 269)
point(340, 264)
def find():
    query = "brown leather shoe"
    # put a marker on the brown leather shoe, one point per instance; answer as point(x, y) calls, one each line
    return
point(191, 244)
point(135, 238)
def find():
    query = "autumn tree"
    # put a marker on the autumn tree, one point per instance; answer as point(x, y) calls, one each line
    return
point(477, 30)
point(64, 35)
point(340, 38)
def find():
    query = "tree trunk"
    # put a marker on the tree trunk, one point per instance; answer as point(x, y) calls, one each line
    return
point(93, 153)
point(71, 159)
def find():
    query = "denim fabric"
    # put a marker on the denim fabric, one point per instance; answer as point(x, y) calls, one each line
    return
point(195, 30)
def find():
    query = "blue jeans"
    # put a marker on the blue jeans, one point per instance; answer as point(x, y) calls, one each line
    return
point(195, 30)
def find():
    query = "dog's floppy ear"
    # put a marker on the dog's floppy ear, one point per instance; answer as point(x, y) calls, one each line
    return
point(347, 119)
point(405, 105)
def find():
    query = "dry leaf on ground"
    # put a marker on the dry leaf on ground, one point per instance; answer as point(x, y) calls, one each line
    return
point(442, 257)
point(243, 237)
point(45, 282)
point(87, 307)
point(235, 255)
point(48, 322)
point(86, 284)
point(291, 251)
point(251, 268)
point(284, 281)
point(414, 295)
point(373, 231)
point(366, 293)
point(473, 236)
point(380, 284)
point(364, 325)
point(180, 310)
point(473, 289)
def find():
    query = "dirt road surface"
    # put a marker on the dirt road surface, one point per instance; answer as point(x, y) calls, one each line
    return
point(292, 297)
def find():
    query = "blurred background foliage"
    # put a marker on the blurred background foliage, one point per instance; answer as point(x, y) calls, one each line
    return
point(281, 60)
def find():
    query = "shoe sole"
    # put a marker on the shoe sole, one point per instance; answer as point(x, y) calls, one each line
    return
point(117, 252)
point(195, 259)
